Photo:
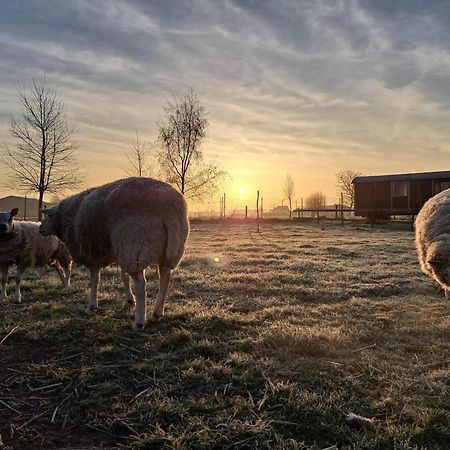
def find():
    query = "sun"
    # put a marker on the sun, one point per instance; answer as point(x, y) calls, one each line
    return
point(241, 191)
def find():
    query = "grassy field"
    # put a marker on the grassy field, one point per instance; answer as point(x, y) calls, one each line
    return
point(268, 341)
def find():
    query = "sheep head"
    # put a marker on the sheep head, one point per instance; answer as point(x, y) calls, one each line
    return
point(7, 221)
point(438, 259)
point(49, 225)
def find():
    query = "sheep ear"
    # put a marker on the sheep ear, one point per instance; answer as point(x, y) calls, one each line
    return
point(14, 212)
point(48, 211)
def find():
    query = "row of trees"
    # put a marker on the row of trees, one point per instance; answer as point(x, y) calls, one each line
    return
point(177, 156)
point(43, 157)
point(317, 200)
point(42, 160)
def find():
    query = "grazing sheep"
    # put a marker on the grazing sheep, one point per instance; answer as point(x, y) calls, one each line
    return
point(433, 239)
point(135, 222)
point(22, 244)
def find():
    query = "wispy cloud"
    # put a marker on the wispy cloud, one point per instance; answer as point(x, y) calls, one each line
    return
point(320, 85)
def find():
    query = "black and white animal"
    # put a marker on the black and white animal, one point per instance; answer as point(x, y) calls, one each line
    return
point(433, 239)
point(134, 222)
point(22, 244)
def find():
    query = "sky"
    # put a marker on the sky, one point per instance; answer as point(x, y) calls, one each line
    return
point(301, 87)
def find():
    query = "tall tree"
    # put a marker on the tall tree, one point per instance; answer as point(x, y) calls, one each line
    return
point(289, 192)
point(182, 131)
point(43, 157)
point(344, 183)
point(139, 158)
point(315, 201)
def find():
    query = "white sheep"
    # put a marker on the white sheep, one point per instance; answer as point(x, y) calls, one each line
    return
point(433, 239)
point(134, 222)
point(22, 244)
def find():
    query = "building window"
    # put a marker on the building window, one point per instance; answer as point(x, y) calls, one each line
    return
point(440, 186)
point(400, 189)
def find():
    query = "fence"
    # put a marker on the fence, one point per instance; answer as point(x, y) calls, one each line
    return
point(338, 213)
point(371, 214)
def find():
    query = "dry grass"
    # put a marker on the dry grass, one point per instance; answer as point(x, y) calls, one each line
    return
point(268, 347)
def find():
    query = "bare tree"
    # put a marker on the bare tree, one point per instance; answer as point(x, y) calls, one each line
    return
point(182, 131)
point(345, 185)
point(289, 192)
point(139, 158)
point(315, 201)
point(43, 157)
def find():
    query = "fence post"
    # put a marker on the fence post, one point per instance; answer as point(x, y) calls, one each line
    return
point(318, 217)
point(257, 211)
point(246, 211)
point(302, 207)
point(25, 208)
point(335, 212)
point(224, 205)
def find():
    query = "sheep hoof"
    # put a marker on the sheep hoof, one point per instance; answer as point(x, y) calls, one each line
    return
point(17, 300)
point(155, 318)
point(138, 326)
point(91, 310)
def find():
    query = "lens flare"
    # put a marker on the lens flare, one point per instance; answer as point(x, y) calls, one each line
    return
point(216, 259)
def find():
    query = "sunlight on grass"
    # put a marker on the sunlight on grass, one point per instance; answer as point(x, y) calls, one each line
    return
point(266, 343)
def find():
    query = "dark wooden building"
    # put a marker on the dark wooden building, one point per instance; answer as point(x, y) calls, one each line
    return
point(400, 194)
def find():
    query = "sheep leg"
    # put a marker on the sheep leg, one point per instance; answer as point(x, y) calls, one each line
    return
point(447, 294)
point(164, 279)
point(68, 271)
point(18, 295)
point(59, 270)
point(129, 297)
point(139, 290)
point(92, 306)
point(4, 270)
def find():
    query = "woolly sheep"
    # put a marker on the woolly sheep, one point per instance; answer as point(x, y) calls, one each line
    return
point(433, 239)
point(134, 222)
point(22, 244)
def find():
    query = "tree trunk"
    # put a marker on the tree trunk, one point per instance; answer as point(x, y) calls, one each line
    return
point(290, 208)
point(41, 197)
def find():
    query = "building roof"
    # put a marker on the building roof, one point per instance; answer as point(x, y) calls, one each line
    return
point(280, 208)
point(445, 174)
point(14, 201)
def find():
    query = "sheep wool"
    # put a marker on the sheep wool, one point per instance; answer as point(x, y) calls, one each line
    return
point(134, 222)
point(433, 239)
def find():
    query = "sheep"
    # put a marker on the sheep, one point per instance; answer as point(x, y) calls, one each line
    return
point(133, 222)
point(433, 239)
point(22, 244)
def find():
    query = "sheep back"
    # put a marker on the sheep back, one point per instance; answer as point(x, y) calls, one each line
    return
point(27, 247)
point(135, 222)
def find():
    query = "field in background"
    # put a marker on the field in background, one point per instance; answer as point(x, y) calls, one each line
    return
point(268, 341)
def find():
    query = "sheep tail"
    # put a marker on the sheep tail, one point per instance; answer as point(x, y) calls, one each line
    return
point(172, 228)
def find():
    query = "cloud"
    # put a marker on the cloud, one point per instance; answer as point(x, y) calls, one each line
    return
point(319, 84)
